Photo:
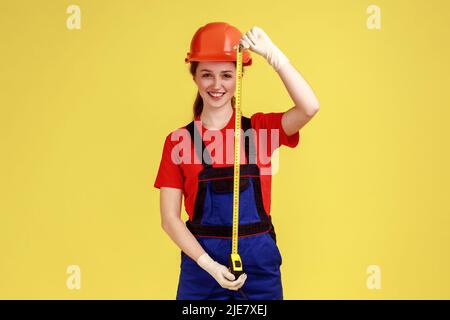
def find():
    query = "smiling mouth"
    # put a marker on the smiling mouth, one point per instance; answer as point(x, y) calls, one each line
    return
point(216, 95)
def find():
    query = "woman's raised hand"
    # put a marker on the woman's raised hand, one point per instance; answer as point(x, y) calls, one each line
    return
point(259, 42)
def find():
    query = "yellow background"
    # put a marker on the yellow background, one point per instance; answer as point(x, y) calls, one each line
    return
point(84, 114)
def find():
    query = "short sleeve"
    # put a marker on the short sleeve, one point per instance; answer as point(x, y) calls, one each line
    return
point(169, 173)
point(272, 121)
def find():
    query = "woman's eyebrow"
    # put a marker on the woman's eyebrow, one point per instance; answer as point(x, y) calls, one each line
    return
point(222, 71)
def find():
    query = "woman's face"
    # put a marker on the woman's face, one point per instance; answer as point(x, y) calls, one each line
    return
point(216, 82)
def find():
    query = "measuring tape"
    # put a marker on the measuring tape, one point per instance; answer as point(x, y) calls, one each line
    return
point(235, 262)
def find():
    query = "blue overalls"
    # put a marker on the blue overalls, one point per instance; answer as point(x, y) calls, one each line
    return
point(212, 226)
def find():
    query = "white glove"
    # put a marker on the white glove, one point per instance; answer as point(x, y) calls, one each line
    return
point(221, 273)
point(258, 41)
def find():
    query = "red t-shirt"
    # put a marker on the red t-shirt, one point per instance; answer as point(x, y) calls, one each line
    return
point(183, 174)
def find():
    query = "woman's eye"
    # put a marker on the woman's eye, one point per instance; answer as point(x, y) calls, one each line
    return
point(207, 75)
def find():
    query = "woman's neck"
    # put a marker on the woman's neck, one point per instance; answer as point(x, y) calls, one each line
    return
point(216, 118)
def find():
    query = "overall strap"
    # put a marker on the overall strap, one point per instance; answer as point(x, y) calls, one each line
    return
point(199, 145)
point(250, 151)
point(202, 152)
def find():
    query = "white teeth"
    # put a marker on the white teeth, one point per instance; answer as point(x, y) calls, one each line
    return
point(216, 94)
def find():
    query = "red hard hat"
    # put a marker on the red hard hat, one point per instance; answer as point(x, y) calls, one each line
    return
point(214, 42)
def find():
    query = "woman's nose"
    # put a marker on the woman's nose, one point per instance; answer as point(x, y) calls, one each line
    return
point(217, 83)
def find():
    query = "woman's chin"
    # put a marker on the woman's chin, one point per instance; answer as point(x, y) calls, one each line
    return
point(218, 104)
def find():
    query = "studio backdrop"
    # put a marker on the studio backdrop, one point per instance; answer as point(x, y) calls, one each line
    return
point(89, 90)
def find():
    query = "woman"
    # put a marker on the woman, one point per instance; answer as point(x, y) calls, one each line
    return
point(200, 166)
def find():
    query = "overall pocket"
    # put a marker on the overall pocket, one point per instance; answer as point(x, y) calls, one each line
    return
point(222, 201)
point(275, 248)
point(226, 185)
